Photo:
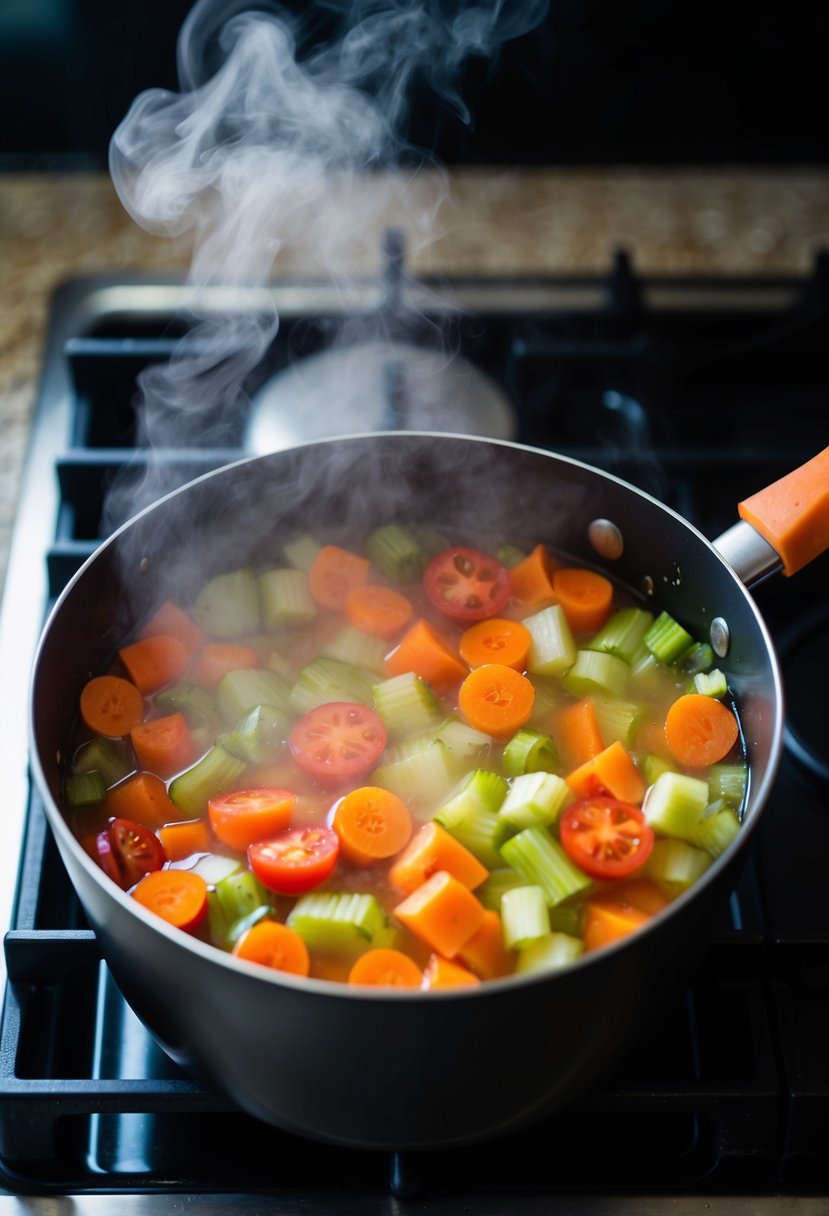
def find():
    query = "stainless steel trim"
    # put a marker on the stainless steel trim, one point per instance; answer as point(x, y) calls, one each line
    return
point(750, 556)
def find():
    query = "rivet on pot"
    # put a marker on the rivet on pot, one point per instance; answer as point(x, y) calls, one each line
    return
point(144, 566)
point(647, 585)
point(720, 636)
point(606, 538)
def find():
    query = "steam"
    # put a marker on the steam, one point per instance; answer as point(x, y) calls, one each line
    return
point(260, 150)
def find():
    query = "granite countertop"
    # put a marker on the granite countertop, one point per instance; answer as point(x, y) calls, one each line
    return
point(746, 221)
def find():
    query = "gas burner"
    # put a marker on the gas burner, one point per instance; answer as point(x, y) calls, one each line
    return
point(804, 654)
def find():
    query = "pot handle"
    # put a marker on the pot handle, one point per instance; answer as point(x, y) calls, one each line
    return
point(785, 525)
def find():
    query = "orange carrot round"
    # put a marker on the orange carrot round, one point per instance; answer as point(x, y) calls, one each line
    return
point(385, 968)
point(586, 598)
point(377, 610)
point(272, 944)
point(242, 817)
point(496, 641)
point(496, 699)
point(372, 824)
point(164, 745)
point(177, 896)
point(700, 730)
point(334, 573)
point(111, 706)
point(154, 661)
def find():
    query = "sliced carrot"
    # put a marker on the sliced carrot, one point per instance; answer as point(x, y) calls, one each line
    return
point(442, 973)
point(177, 896)
point(172, 620)
point(154, 661)
point(242, 817)
point(385, 968)
point(377, 610)
point(423, 651)
point(577, 730)
point(164, 745)
point(334, 573)
point(184, 838)
point(272, 944)
point(496, 641)
point(218, 658)
point(442, 912)
point(496, 699)
point(613, 772)
point(641, 893)
point(432, 848)
point(111, 706)
point(532, 580)
point(372, 824)
point(700, 730)
point(484, 953)
point(607, 920)
point(142, 798)
point(586, 598)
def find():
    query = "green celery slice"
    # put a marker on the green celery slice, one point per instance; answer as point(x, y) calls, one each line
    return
point(195, 702)
point(524, 916)
point(238, 692)
point(358, 649)
point(596, 671)
point(715, 832)
point(549, 953)
point(675, 804)
point(397, 553)
point(337, 921)
point(285, 598)
point(215, 773)
point(102, 756)
point(698, 659)
point(84, 789)
point(421, 776)
point(667, 640)
point(675, 865)
point(500, 880)
point(406, 704)
point(535, 798)
point(542, 861)
point(470, 814)
point(323, 680)
point(553, 649)
point(728, 781)
point(530, 751)
point(618, 720)
point(623, 634)
point(711, 684)
point(301, 552)
point(258, 736)
point(228, 605)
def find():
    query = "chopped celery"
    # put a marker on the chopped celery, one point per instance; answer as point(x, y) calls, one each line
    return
point(675, 804)
point(240, 691)
point(195, 702)
point(84, 789)
point(325, 679)
point(711, 683)
point(675, 865)
point(552, 649)
point(728, 781)
point(548, 953)
point(463, 742)
point(285, 598)
point(698, 659)
point(228, 605)
point(618, 720)
point(564, 919)
point(529, 751)
point(301, 552)
point(422, 776)
point(596, 671)
point(358, 649)
point(396, 552)
point(258, 736)
point(502, 879)
point(667, 640)
point(216, 772)
point(623, 634)
point(470, 814)
point(524, 916)
point(239, 927)
point(337, 921)
point(715, 831)
point(239, 894)
point(547, 698)
point(102, 756)
point(535, 798)
point(406, 704)
point(213, 867)
point(509, 555)
point(542, 861)
point(653, 766)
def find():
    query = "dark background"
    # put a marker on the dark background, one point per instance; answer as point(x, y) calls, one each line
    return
point(600, 81)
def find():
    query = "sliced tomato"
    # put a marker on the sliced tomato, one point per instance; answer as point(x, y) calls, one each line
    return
point(105, 857)
point(135, 850)
point(243, 816)
point(337, 741)
point(605, 838)
point(295, 859)
point(466, 585)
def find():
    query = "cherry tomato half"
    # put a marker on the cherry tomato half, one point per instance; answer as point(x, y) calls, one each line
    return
point(295, 860)
point(605, 838)
point(135, 851)
point(337, 741)
point(466, 585)
point(243, 816)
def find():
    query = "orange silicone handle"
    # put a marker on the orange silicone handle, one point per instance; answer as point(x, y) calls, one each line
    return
point(792, 514)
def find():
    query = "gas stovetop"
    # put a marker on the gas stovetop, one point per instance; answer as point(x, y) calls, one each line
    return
point(698, 391)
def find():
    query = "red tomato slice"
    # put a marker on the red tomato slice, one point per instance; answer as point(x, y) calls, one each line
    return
point(105, 857)
point(605, 838)
point(466, 585)
point(295, 860)
point(337, 741)
point(135, 850)
point(243, 816)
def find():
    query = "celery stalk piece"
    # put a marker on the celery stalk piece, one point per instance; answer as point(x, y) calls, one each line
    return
point(623, 634)
point(549, 953)
point(728, 781)
point(215, 773)
point(548, 697)
point(421, 777)
point(195, 702)
point(675, 804)
point(564, 919)
point(509, 555)
point(396, 552)
point(711, 683)
point(530, 751)
point(715, 832)
point(470, 814)
point(285, 598)
point(596, 671)
point(500, 880)
point(258, 736)
point(653, 766)
point(406, 704)
point(239, 894)
point(535, 798)
point(301, 552)
point(542, 861)
point(552, 649)
point(228, 605)
point(102, 756)
point(240, 927)
point(213, 867)
point(338, 922)
point(698, 659)
point(358, 649)
point(463, 743)
point(675, 865)
point(323, 680)
point(524, 916)
point(667, 640)
point(240, 691)
point(84, 789)
point(618, 720)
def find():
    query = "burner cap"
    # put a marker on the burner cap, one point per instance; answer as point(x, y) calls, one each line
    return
point(376, 386)
point(804, 654)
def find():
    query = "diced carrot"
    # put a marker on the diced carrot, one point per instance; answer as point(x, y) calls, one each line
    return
point(218, 658)
point(484, 953)
point(586, 598)
point(496, 699)
point(700, 730)
point(606, 920)
point(154, 661)
point(274, 945)
point(372, 824)
point(385, 968)
point(442, 973)
point(432, 848)
point(184, 838)
point(577, 730)
point(177, 896)
point(641, 893)
point(334, 573)
point(171, 619)
point(442, 912)
point(496, 640)
point(377, 610)
point(423, 651)
point(142, 798)
point(164, 745)
point(111, 706)
point(613, 772)
point(532, 580)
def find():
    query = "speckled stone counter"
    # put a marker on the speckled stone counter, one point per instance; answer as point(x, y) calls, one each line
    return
point(747, 221)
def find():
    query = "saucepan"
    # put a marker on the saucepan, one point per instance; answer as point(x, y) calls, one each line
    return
point(387, 1068)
